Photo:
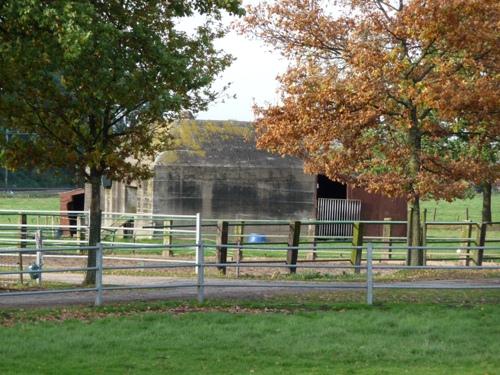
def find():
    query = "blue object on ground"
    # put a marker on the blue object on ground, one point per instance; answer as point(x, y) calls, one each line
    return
point(257, 238)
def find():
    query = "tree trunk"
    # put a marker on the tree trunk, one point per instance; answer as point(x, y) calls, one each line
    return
point(486, 213)
point(415, 257)
point(94, 225)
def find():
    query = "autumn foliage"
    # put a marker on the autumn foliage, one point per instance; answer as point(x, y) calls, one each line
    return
point(400, 97)
point(379, 93)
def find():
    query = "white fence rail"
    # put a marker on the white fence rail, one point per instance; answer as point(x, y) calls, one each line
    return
point(72, 227)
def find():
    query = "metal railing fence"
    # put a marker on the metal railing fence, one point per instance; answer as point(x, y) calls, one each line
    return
point(369, 267)
point(100, 268)
point(200, 283)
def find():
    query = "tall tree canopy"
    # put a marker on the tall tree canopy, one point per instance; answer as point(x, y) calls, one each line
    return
point(378, 91)
point(96, 82)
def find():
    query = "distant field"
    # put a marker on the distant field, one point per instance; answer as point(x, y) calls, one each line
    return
point(29, 203)
point(456, 211)
point(286, 339)
point(26, 202)
point(445, 211)
point(453, 211)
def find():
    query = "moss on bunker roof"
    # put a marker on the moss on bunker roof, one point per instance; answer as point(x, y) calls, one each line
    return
point(223, 143)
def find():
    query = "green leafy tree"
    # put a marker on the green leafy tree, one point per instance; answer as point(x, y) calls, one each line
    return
point(97, 82)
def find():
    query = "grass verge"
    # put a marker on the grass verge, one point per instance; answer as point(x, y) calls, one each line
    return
point(274, 336)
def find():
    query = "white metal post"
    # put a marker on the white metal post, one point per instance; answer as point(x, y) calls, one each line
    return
point(238, 254)
point(98, 276)
point(200, 260)
point(201, 272)
point(39, 254)
point(369, 274)
point(198, 242)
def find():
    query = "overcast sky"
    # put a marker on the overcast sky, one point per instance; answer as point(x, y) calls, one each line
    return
point(252, 76)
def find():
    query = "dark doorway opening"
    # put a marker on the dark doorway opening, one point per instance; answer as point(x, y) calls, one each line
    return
point(77, 203)
point(327, 188)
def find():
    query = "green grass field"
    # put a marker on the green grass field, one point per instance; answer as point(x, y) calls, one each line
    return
point(24, 202)
point(456, 210)
point(265, 338)
point(445, 211)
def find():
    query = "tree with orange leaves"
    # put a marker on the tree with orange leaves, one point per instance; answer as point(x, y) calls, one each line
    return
point(378, 92)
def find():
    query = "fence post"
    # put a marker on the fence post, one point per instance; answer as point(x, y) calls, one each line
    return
point(198, 242)
point(129, 233)
point(54, 232)
point(81, 231)
point(369, 274)
point(22, 243)
point(200, 256)
point(167, 238)
point(239, 231)
point(311, 232)
point(98, 276)
point(221, 244)
point(477, 255)
point(293, 244)
point(357, 242)
point(238, 260)
point(387, 235)
point(467, 233)
point(39, 254)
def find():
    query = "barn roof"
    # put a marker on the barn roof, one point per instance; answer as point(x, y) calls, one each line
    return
point(219, 143)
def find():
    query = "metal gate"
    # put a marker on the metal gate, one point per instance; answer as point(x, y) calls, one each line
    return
point(337, 210)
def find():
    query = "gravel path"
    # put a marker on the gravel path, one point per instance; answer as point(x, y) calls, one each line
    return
point(184, 288)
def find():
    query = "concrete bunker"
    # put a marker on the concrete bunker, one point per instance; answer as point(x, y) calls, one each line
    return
point(215, 168)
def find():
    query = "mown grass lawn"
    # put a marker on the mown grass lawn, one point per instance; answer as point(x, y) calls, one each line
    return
point(343, 339)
